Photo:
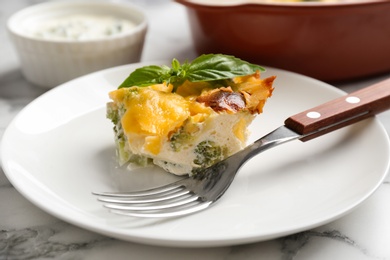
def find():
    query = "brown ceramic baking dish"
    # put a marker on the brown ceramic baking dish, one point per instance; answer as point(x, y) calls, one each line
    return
point(331, 41)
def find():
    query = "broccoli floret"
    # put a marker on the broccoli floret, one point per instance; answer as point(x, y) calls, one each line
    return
point(179, 138)
point(122, 155)
point(112, 113)
point(208, 153)
point(140, 160)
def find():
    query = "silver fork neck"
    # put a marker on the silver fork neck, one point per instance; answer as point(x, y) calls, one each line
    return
point(279, 136)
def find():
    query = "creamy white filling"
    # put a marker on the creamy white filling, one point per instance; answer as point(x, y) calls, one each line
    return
point(217, 128)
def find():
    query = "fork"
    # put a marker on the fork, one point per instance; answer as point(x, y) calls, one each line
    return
point(201, 190)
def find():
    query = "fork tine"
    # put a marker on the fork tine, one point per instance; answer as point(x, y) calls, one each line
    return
point(138, 193)
point(153, 206)
point(156, 197)
point(174, 212)
point(147, 192)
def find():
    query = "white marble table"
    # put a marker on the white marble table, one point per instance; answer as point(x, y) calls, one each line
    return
point(27, 232)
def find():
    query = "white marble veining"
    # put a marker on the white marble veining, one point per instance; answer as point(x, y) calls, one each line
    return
point(27, 232)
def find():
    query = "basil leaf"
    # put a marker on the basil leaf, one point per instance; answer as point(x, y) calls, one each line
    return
point(217, 66)
point(176, 65)
point(146, 76)
point(207, 67)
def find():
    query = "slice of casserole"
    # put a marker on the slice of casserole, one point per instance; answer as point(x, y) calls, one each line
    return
point(185, 125)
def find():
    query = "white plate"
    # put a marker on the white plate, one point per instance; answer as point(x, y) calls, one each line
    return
point(60, 148)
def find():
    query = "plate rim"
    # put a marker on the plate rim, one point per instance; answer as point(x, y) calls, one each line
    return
point(172, 242)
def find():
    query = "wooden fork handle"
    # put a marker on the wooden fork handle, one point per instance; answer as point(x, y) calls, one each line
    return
point(341, 111)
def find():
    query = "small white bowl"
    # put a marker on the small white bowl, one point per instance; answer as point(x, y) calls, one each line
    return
point(48, 62)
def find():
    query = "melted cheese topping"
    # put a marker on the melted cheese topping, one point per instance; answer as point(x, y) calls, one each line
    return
point(151, 113)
